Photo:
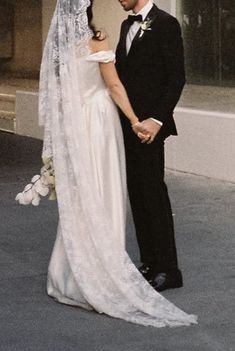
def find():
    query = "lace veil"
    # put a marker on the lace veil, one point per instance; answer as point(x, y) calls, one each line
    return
point(69, 29)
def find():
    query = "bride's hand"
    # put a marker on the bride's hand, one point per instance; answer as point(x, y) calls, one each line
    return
point(139, 130)
point(137, 127)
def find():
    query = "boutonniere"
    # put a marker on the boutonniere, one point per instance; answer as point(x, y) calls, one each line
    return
point(144, 26)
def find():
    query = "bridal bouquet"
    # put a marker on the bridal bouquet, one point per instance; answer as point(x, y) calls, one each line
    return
point(41, 185)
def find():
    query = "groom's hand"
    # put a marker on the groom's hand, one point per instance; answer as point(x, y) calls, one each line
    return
point(150, 129)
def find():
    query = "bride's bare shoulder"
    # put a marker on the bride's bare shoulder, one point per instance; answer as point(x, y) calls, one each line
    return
point(99, 42)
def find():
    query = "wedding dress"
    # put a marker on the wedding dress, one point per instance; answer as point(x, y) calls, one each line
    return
point(89, 265)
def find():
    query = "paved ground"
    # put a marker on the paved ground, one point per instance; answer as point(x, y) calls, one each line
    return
point(31, 321)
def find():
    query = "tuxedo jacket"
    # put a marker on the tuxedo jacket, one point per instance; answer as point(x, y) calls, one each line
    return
point(153, 70)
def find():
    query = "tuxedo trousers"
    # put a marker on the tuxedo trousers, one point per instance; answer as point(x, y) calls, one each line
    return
point(150, 204)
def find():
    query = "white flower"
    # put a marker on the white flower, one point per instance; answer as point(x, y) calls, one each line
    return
point(44, 169)
point(41, 185)
point(145, 25)
point(52, 180)
point(45, 179)
point(40, 188)
point(20, 198)
point(36, 199)
point(35, 178)
point(48, 179)
point(28, 195)
point(28, 187)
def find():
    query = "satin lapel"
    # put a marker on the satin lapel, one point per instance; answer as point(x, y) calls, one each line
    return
point(151, 16)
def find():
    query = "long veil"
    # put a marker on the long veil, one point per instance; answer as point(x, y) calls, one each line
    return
point(101, 268)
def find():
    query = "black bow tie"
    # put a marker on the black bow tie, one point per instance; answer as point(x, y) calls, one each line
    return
point(132, 18)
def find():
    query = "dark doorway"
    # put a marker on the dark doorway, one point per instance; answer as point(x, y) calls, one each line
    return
point(209, 37)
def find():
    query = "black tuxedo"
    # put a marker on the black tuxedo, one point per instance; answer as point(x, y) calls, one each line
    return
point(153, 75)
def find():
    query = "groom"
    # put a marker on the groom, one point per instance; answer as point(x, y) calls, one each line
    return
point(150, 63)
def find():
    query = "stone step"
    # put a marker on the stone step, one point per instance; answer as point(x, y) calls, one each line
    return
point(7, 102)
point(7, 121)
point(7, 114)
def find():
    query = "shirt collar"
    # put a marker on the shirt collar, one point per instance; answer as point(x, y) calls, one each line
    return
point(145, 10)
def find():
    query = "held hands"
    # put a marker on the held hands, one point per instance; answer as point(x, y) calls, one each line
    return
point(146, 130)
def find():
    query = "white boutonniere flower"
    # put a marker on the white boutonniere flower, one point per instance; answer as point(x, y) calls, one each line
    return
point(41, 185)
point(144, 26)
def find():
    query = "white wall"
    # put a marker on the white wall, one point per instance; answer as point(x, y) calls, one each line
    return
point(27, 42)
point(27, 115)
point(164, 4)
point(108, 15)
point(205, 144)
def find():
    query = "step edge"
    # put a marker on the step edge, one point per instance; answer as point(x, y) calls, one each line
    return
point(7, 97)
point(7, 115)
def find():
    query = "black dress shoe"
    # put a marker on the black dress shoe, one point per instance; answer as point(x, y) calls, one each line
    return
point(145, 270)
point(163, 281)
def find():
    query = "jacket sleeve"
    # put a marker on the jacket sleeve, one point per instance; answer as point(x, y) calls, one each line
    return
point(171, 46)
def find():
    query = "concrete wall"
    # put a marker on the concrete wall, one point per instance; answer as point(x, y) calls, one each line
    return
point(48, 7)
point(108, 15)
point(27, 115)
point(205, 144)
point(6, 32)
point(164, 5)
point(27, 39)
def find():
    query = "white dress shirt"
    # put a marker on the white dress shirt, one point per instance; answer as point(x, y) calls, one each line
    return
point(136, 25)
point(133, 31)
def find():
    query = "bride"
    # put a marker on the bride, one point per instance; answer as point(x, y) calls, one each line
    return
point(89, 266)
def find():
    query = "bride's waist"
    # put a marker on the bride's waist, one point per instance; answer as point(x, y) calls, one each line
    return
point(100, 94)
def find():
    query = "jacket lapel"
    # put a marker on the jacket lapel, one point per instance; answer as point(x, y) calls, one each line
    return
point(124, 32)
point(151, 17)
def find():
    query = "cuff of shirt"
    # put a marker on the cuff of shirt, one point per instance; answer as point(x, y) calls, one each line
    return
point(157, 121)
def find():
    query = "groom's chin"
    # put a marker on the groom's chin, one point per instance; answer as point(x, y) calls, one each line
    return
point(124, 5)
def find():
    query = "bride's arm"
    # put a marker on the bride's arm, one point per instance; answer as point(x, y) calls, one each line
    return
point(114, 85)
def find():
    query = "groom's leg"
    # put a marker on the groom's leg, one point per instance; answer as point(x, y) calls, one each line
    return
point(151, 206)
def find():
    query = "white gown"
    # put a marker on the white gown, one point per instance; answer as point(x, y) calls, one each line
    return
point(89, 266)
